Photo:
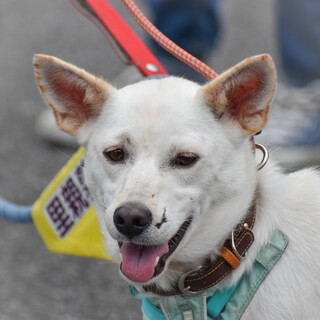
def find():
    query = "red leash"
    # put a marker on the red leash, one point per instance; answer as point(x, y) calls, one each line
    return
point(122, 37)
point(167, 44)
point(125, 42)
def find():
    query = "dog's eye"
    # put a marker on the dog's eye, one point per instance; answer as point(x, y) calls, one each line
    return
point(185, 159)
point(114, 154)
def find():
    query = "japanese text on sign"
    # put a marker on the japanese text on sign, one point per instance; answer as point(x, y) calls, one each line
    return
point(69, 202)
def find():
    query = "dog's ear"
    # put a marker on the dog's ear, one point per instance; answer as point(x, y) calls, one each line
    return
point(75, 96)
point(243, 93)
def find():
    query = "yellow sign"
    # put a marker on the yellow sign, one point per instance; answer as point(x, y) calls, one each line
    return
point(65, 215)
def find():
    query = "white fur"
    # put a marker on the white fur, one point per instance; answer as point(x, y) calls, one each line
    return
point(156, 119)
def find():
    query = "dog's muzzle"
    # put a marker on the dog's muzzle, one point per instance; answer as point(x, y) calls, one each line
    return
point(140, 261)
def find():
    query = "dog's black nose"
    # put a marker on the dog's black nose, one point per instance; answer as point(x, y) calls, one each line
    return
point(132, 219)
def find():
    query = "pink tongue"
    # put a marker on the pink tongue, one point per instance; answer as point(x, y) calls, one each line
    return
point(138, 261)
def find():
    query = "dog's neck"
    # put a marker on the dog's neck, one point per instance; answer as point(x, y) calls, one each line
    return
point(232, 253)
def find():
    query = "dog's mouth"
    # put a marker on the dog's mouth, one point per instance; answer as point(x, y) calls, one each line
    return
point(141, 263)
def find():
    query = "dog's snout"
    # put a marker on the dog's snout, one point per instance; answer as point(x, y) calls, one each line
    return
point(132, 219)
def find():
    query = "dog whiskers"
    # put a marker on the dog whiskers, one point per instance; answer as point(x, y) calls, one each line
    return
point(62, 153)
point(164, 219)
point(68, 156)
point(99, 202)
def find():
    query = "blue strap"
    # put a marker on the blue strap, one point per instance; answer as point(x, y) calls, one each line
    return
point(250, 281)
point(15, 212)
point(218, 301)
point(151, 311)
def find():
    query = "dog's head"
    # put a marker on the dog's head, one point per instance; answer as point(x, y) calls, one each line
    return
point(168, 162)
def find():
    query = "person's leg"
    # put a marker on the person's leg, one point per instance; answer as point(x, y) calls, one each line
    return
point(299, 35)
point(293, 130)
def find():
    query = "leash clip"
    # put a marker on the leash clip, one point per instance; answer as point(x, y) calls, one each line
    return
point(186, 290)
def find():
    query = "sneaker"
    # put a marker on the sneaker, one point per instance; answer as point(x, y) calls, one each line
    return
point(293, 130)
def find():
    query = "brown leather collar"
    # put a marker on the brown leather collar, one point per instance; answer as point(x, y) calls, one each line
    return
point(232, 253)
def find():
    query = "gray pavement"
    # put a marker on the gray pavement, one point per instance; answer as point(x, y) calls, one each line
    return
point(34, 283)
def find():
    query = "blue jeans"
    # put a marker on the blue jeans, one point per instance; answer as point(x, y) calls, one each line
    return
point(299, 35)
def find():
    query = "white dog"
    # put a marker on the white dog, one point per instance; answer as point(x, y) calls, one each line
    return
point(172, 169)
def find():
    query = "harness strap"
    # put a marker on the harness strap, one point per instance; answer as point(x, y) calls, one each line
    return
point(245, 289)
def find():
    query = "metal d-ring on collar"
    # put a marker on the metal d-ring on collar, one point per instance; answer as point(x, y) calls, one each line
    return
point(265, 154)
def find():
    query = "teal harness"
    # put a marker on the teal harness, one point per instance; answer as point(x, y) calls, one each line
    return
point(214, 304)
